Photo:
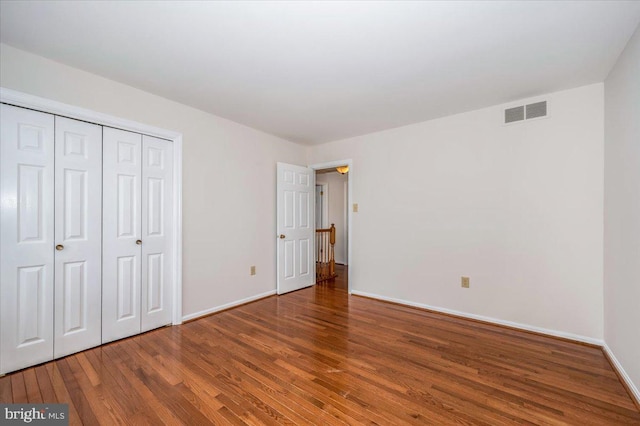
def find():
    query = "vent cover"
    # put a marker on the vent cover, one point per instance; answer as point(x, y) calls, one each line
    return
point(528, 112)
point(514, 114)
point(539, 109)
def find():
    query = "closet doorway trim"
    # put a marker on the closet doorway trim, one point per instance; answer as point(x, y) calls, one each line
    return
point(13, 97)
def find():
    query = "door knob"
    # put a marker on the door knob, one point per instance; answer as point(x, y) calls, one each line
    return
point(282, 237)
point(139, 242)
point(59, 247)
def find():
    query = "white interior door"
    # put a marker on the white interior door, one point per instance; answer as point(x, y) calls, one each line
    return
point(121, 234)
point(26, 237)
point(296, 227)
point(157, 235)
point(78, 236)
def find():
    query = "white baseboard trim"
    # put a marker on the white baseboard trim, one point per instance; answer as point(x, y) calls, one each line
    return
point(554, 333)
point(227, 305)
point(623, 374)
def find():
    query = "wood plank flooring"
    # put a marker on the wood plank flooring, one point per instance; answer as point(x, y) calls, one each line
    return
point(318, 356)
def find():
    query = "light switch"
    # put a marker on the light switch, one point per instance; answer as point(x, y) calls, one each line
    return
point(355, 207)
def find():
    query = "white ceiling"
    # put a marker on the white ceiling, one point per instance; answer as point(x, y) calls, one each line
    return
point(313, 72)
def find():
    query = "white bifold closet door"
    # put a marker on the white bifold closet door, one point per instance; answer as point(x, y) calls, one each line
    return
point(78, 236)
point(26, 232)
point(157, 233)
point(137, 233)
point(50, 270)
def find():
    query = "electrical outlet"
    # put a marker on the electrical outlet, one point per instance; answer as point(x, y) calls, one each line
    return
point(465, 282)
point(253, 270)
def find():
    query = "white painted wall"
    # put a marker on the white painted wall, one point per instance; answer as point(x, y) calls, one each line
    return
point(517, 208)
point(622, 211)
point(228, 179)
point(336, 182)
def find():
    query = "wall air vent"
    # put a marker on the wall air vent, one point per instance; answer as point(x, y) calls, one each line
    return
point(528, 112)
point(514, 114)
point(539, 109)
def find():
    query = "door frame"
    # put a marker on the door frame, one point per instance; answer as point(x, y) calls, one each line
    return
point(346, 217)
point(329, 165)
point(16, 98)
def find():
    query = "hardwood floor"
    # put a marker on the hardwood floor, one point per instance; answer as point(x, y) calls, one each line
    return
point(340, 281)
point(318, 356)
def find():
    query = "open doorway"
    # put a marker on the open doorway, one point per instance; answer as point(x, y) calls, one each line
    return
point(333, 198)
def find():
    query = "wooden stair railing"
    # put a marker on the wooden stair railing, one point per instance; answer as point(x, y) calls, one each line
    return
point(325, 260)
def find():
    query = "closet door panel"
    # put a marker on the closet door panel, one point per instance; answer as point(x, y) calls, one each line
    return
point(26, 237)
point(122, 232)
point(157, 235)
point(78, 236)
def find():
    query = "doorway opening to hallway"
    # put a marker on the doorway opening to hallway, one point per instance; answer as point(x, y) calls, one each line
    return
point(332, 223)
